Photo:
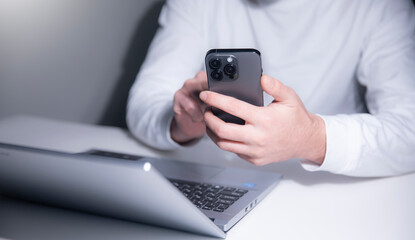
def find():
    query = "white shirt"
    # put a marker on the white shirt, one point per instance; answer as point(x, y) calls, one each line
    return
point(344, 58)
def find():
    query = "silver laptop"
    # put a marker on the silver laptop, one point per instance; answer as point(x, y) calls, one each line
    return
point(191, 197)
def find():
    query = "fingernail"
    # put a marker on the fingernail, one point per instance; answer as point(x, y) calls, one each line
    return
point(203, 96)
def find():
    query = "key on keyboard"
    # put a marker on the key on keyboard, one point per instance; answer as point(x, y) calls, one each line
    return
point(209, 196)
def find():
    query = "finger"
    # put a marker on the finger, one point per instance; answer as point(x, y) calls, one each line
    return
point(197, 84)
point(226, 131)
point(243, 156)
point(230, 105)
point(227, 145)
point(193, 87)
point(253, 160)
point(277, 89)
point(192, 109)
point(188, 105)
point(202, 106)
point(202, 79)
point(247, 158)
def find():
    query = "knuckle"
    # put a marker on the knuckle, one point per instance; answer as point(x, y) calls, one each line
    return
point(210, 134)
point(177, 109)
point(187, 84)
point(261, 163)
point(267, 119)
point(291, 91)
point(220, 131)
point(251, 160)
point(254, 155)
point(247, 158)
point(261, 141)
point(258, 161)
point(222, 145)
point(259, 153)
point(189, 107)
point(177, 94)
point(201, 75)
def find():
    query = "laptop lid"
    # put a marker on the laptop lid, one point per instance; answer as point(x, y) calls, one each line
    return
point(132, 190)
point(97, 181)
point(224, 194)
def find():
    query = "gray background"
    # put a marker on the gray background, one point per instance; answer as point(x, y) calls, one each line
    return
point(72, 59)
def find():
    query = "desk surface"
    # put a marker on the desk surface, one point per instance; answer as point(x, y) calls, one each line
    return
point(305, 205)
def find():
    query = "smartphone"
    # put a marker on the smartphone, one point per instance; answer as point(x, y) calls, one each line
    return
point(236, 73)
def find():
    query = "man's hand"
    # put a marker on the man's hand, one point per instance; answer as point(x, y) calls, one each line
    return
point(282, 130)
point(188, 123)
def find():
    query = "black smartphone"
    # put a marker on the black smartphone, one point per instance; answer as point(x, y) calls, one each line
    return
point(236, 73)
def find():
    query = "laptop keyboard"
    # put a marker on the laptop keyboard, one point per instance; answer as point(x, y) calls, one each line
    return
point(209, 196)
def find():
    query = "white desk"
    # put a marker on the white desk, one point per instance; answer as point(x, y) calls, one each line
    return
point(304, 205)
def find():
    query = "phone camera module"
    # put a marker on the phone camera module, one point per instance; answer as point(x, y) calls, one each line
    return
point(230, 70)
point(215, 63)
point(217, 75)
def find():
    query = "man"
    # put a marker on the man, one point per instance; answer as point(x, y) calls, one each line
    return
point(344, 100)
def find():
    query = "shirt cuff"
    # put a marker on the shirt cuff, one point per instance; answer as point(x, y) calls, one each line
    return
point(168, 133)
point(340, 150)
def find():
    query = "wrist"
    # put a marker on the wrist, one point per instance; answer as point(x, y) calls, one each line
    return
point(179, 137)
point(317, 140)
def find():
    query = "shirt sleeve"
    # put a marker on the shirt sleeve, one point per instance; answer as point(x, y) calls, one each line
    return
point(170, 61)
point(382, 142)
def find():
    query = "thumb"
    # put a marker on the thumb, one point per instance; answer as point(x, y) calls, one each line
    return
point(276, 89)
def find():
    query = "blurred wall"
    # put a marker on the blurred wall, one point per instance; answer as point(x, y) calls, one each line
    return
point(72, 59)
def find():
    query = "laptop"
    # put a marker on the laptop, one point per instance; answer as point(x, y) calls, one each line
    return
point(191, 197)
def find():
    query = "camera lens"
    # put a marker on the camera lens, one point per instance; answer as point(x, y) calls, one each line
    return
point(217, 75)
point(215, 63)
point(229, 69)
